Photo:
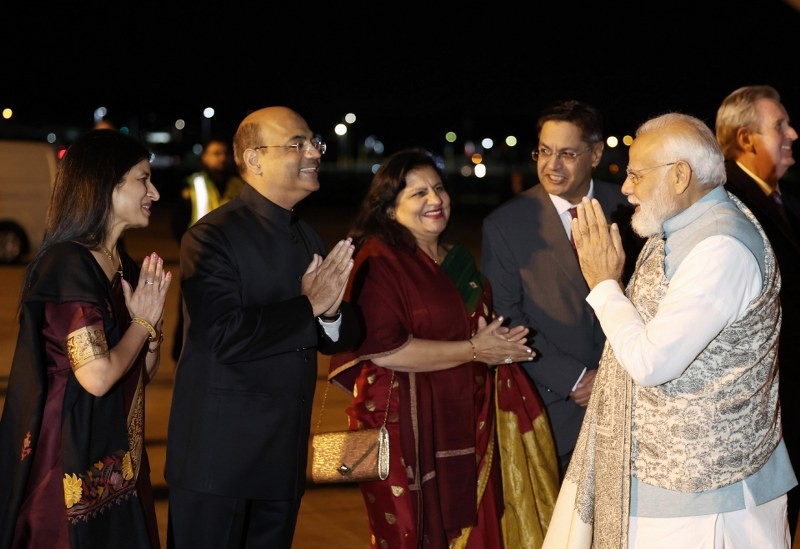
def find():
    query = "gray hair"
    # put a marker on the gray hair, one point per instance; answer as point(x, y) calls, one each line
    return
point(738, 110)
point(689, 139)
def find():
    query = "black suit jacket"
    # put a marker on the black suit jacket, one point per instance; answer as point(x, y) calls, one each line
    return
point(783, 235)
point(537, 282)
point(240, 417)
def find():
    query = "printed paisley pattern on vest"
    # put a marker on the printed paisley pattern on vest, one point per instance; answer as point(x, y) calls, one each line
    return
point(716, 417)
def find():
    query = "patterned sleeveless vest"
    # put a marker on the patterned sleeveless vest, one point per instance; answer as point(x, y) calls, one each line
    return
point(720, 419)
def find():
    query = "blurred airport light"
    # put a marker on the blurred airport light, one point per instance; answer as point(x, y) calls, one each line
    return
point(208, 114)
point(99, 114)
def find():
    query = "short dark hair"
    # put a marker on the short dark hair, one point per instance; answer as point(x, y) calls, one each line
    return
point(584, 116)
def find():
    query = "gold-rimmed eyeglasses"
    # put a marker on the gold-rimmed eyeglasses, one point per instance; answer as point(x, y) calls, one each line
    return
point(567, 157)
point(301, 147)
point(636, 175)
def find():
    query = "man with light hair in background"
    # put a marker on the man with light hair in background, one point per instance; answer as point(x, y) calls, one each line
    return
point(756, 138)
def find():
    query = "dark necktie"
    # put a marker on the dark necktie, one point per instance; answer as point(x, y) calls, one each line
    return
point(778, 200)
point(573, 211)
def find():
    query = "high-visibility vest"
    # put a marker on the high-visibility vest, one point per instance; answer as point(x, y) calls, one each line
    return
point(203, 194)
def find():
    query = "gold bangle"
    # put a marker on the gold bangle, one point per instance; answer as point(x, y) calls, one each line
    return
point(147, 326)
point(474, 351)
point(158, 346)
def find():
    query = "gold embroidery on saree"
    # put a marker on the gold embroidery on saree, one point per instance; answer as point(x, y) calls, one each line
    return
point(136, 426)
point(86, 344)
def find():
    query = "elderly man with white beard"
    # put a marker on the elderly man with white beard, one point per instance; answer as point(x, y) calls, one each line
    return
point(681, 445)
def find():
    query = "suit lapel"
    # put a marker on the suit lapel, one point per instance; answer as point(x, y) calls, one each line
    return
point(762, 206)
point(557, 241)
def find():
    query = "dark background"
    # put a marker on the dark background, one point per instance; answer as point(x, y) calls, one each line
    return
point(409, 71)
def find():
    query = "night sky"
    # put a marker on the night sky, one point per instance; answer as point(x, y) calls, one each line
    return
point(407, 72)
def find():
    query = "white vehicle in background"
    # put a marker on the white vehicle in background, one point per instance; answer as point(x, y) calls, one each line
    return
point(27, 174)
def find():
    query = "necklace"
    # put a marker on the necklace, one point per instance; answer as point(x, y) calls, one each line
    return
point(111, 259)
point(437, 258)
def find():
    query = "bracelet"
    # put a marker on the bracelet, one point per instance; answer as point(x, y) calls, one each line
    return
point(157, 347)
point(474, 351)
point(147, 326)
point(333, 318)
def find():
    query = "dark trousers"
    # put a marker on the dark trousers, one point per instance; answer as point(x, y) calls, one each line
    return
point(198, 521)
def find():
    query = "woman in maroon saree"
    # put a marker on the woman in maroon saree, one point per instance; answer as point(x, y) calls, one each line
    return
point(73, 468)
point(431, 332)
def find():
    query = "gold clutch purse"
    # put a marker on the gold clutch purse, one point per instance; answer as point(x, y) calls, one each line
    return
point(350, 456)
point(360, 455)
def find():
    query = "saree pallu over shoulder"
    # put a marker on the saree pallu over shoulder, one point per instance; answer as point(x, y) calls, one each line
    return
point(528, 458)
point(384, 278)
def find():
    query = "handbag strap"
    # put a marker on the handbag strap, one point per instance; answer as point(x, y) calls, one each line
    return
point(325, 398)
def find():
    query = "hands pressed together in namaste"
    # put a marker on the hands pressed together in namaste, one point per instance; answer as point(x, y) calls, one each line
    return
point(599, 245)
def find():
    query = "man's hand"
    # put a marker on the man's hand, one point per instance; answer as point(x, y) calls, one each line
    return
point(584, 388)
point(325, 280)
point(599, 247)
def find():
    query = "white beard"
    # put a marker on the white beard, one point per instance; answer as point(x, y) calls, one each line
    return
point(650, 217)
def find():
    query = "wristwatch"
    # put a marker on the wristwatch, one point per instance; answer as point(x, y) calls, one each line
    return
point(333, 318)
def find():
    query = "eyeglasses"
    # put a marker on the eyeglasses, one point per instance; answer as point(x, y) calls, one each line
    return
point(301, 147)
point(567, 157)
point(636, 175)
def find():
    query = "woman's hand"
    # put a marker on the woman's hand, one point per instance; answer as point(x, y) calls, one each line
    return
point(498, 344)
point(147, 300)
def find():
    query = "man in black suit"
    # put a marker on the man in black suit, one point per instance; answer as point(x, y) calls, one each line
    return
point(536, 280)
point(756, 138)
point(260, 302)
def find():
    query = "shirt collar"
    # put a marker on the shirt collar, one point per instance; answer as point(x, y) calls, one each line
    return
point(564, 205)
point(763, 185)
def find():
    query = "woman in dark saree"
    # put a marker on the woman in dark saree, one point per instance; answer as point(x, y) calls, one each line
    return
point(73, 468)
point(431, 334)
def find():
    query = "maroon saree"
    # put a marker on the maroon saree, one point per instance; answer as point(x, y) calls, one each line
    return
point(444, 486)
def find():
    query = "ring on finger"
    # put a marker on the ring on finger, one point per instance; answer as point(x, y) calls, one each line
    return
point(148, 282)
point(507, 360)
